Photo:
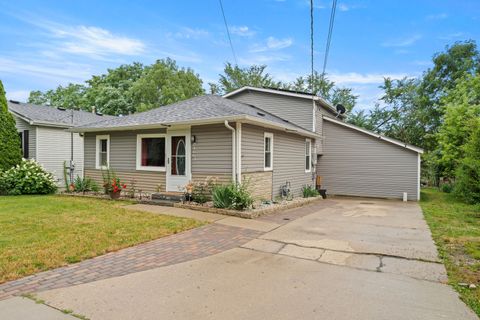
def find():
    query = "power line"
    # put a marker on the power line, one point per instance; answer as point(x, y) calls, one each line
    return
point(228, 32)
point(329, 37)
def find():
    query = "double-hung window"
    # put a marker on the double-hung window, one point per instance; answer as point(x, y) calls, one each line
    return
point(308, 155)
point(102, 155)
point(151, 152)
point(268, 151)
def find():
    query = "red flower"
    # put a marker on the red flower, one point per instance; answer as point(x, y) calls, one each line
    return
point(124, 186)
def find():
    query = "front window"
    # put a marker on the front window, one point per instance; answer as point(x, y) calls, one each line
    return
point(103, 151)
point(151, 152)
point(268, 151)
point(308, 155)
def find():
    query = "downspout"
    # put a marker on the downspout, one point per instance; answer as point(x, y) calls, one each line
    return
point(238, 151)
point(234, 167)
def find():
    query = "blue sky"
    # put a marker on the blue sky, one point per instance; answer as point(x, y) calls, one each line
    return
point(44, 44)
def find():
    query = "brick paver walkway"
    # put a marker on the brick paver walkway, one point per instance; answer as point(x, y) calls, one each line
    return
point(189, 245)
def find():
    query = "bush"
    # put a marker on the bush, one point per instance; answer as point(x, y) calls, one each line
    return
point(232, 196)
point(84, 185)
point(309, 191)
point(28, 177)
point(202, 191)
point(446, 187)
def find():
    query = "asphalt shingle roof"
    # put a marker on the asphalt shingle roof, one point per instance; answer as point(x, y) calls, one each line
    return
point(197, 108)
point(54, 116)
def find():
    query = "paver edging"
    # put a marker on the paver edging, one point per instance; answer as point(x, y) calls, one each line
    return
point(250, 214)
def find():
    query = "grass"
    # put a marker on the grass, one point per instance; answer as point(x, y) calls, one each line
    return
point(38, 233)
point(455, 228)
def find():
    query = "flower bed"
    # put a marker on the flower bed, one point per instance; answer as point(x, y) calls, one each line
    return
point(258, 210)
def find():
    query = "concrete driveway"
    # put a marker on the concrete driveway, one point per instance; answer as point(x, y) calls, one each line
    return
point(336, 259)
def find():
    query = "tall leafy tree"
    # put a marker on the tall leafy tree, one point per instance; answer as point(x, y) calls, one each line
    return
point(110, 93)
point(461, 106)
point(164, 83)
point(10, 151)
point(235, 77)
point(326, 89)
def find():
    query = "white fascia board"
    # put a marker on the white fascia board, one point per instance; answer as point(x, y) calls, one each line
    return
point(376, 135)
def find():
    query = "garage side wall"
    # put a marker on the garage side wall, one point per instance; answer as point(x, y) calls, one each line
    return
point(356, 164)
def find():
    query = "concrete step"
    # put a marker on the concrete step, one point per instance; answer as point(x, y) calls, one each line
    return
point(163, 203)
point(168, 196)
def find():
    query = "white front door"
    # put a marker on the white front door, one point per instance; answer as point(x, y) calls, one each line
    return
point(178, 159)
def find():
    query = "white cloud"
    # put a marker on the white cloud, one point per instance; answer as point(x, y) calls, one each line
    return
point(367, 78)
point(402, 42)
point(343, 7)
point(437, 16)
point(191, 33)
point(95, 41)
point(273, 43)
point(242, 31)
point(46, 70)
point(91, 41)
point(18, 95)
point(452, 36)
point(263, 59)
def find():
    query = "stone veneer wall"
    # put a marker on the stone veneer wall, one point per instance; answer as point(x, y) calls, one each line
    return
point(259, 184)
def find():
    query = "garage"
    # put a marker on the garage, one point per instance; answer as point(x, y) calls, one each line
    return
point(358, 162)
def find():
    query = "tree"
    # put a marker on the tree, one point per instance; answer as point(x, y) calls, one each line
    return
point(460, 105)
point(467, 183)
point(110, 93)
point(164, 83)
point(234, 77)
point(73, 96)
point(326, 89)
point(456, 62)
point(10, 151)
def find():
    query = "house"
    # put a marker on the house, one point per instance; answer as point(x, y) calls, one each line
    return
point(43, 136)
point(268, 137)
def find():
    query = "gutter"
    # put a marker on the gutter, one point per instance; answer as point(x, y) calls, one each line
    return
point(234, 151)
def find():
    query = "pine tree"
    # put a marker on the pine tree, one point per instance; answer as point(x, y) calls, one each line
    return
point(10, 150)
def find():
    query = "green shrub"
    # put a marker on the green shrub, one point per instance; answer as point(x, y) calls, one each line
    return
point(446, 187)
point(28, 177)
point(202, 191)
point(232, 196)
point(10, 150)
point(309, 191)
point(84, 185)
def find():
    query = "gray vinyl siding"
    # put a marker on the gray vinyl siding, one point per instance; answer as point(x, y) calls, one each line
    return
point(22, 125)
point(356, 164)
point(212, 153)
point(298, 111)
point(252, 148)
point(123, 148)
point(54, 147)
point(288, 158)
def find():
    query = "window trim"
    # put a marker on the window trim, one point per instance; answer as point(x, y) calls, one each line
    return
point(268, 135)
point(309, 153)
point(139, 152)
point(97, 151)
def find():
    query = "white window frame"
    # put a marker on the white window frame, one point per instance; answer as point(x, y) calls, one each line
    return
point(308, 152)
point(98, 149)
point(270, 136)
point(139, 152)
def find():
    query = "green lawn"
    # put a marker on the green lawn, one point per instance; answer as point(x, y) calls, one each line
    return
point(38, 233)
point(456, 230)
